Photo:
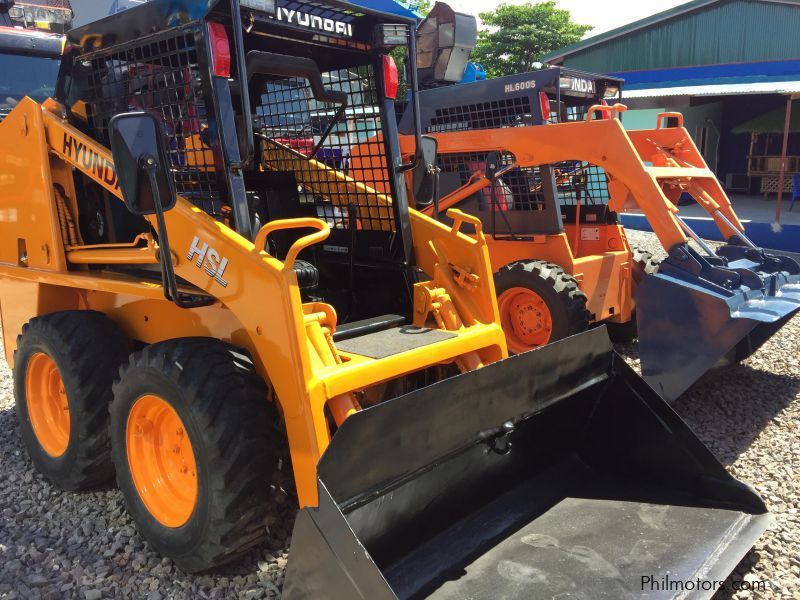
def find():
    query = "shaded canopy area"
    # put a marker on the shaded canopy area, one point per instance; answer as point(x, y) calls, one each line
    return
point(771, 122)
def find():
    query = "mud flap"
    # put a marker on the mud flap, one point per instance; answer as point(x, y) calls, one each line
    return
point(686, 329)
point(555, 473)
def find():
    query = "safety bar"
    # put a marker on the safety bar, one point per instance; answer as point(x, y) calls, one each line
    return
point(613, 110)
point(669, 115)
point(459, 218)
point(324, 230)
point(282, 65)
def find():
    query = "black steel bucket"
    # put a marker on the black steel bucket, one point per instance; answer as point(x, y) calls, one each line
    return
point(555, 473)
point(686, 329)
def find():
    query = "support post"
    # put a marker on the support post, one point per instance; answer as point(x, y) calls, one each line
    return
point(784, 147)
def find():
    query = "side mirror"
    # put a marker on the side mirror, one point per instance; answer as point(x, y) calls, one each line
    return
point(143, 171)
point(142, 163)
point(425, 173)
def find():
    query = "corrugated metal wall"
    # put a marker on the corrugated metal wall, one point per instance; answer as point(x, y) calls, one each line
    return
point(728, 32)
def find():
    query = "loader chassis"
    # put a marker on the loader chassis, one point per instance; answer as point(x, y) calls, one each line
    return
point(547, 168)
point(259, 305)
point(557, 212)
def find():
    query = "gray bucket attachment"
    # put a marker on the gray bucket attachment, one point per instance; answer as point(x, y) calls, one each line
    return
point(557, 473)
point(694, 315)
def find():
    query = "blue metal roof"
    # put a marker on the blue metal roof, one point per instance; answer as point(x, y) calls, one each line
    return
point(753, 72)
point(393, 7)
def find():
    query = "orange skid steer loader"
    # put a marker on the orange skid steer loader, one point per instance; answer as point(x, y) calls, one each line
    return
point(180, 284)
point(546, 166)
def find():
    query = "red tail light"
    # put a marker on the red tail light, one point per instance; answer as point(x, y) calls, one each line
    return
point(544, 105)
point(220, 50)
point(390, 77)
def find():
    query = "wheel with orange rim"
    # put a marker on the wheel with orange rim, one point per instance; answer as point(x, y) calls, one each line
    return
point(538, 303)
point(195, 450)
point(64, 368)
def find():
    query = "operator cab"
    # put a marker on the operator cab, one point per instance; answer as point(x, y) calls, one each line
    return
point(530, 200)
point(262, 112)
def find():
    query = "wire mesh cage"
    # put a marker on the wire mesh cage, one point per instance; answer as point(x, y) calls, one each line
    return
point(336, 152)
point(563, 112)
point(579, 181)
point(505, 112)
point(521, 188)
point(159, 75)
point(518, 189)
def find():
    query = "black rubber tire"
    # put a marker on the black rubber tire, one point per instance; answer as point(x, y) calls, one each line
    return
point(226, 413)
point(643, 264)
point(558, 289)
point(307, 275)
point(88, 349)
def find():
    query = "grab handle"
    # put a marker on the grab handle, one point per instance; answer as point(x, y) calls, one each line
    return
point(613, 110)
point(669, 115)
point(322, 233)
point(459, 218)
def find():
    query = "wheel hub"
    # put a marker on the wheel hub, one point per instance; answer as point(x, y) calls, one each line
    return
point(526, 319)
point(47, 404)
point(161, 461)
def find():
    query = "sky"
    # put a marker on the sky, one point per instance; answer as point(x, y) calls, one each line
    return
point(604, 14)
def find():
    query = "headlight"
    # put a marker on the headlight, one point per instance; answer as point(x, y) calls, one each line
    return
point(389, 35)
point(266, 6)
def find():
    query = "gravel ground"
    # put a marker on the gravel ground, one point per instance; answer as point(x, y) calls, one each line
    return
point(749, 416)
point(84, 545)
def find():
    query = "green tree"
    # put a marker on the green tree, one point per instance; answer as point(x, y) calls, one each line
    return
point(517, 36)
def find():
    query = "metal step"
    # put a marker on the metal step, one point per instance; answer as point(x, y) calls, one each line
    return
point(388, 342)
point(358, 328)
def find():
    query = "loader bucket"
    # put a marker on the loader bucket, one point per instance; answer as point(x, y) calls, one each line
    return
point(687, 328)
point(557, 473)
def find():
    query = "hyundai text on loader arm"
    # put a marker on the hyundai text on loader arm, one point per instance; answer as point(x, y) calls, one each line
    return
point(245, 284)
point(549, 197)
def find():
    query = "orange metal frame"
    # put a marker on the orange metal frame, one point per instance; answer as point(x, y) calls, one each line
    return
point(291, 342)
point(647, 169)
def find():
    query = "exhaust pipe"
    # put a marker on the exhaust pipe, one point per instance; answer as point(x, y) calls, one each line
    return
point(554, 473)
